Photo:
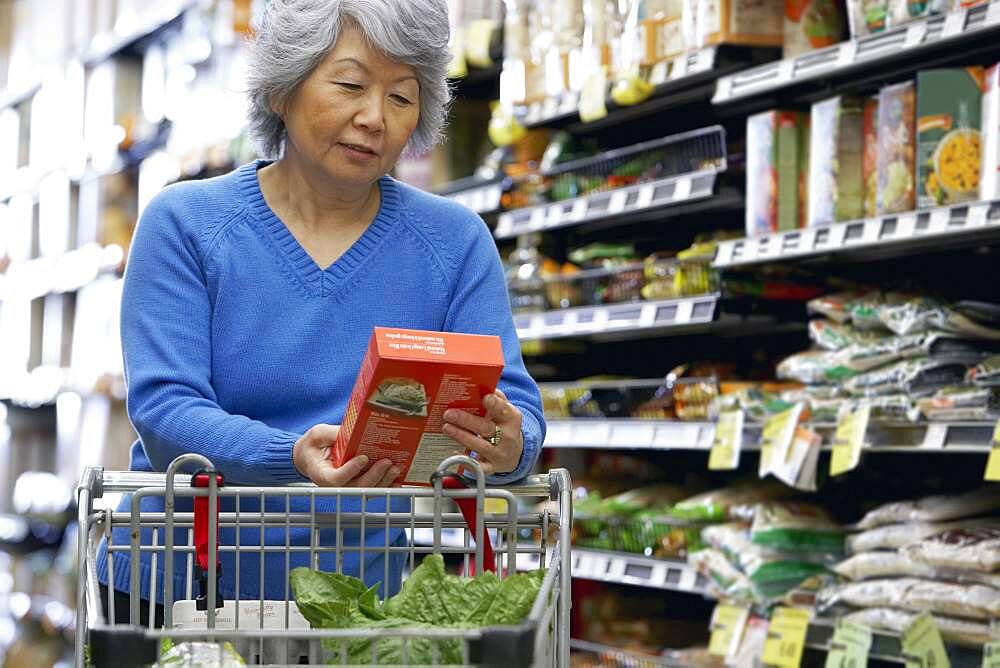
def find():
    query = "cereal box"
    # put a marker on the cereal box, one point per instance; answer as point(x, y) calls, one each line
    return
point(408, 379)
point(897, 138)
point(949, 109)
point(989, 182)
point(869, 157)
point(835, 156)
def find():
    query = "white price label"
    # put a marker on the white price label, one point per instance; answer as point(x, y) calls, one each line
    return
point(632, 435)
point(786, 68)
point(554, 216)
point(935, 437)
point(905, 224)
point(724, 89)
point(645, 197)
point(596, 433)
point(939, 220)
point(992, 13)
point(659, 73)
point(915, 34)
point(680, 68)
point(977, 215)
point(557, 434)
point(847, 53)
point(954, 24)
point(617, 203)
point(537, 218)
point(550, 108)
point(682, 189)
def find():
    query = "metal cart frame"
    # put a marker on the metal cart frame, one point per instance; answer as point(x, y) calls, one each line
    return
point(521, 539)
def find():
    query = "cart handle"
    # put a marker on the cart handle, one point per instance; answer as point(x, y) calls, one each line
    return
point(101, 481)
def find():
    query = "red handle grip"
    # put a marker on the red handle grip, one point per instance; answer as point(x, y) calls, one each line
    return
point(201, 479)
point(468, 510)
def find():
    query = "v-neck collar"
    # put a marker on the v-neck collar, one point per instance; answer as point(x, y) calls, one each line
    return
point(316, 280)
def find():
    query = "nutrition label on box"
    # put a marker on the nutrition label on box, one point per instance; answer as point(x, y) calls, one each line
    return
point(431, 451)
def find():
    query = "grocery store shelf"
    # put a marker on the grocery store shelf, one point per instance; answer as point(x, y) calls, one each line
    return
point(67, 272)
point(956, 225)
point(633, 319)
point(641, 198)
point(664, 76)
point(614, 657)
point(882, 51)
point(886, 646)
point(629, 433)
point(158, 17)
point(637, 434)
point(630, 569)
point(482, 199)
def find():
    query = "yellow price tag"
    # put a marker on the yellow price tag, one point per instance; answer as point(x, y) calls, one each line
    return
point(993, 463)
point(849, 646)
point(728, 441)
point(593, 102)
point(849, 440)
point(786, 637)
point(779, 430)
point(991, 655)
point(922, 644)
point(728, 622)
point(478, 35)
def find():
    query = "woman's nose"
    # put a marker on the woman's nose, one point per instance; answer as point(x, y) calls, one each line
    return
point(371, 113)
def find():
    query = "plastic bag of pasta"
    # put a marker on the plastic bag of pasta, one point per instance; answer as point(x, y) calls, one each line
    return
point(939, 508)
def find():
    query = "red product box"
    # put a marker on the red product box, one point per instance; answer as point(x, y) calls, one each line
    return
point(408, 379)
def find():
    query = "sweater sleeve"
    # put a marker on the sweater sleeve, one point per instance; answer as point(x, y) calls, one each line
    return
point(480, 305)
point(166, 340)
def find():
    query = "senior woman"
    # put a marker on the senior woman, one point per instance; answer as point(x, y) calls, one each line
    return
point(249, 299)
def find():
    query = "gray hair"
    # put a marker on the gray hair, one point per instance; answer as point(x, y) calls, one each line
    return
point(293, 37)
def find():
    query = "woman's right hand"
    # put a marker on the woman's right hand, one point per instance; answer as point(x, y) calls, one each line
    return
point(311, 457)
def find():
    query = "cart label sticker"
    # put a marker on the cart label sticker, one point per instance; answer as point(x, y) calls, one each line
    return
point(728, 622)
point(922, 644)
point(779, 430)
point(993, 463)
point(728, 441)
point(593, 96)
point(849, 646)
point(786, 637)
point(849, 440)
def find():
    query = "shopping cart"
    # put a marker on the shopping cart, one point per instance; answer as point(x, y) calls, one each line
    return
point(268, 632)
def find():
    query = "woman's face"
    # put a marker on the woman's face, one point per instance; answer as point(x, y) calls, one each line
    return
point(351, 118)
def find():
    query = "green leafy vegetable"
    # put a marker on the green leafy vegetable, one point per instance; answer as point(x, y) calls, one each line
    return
point(429, 598)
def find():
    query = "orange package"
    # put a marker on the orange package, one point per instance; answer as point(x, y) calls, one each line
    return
point(408, 379)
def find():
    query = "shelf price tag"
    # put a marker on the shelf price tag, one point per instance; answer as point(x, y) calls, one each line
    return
point(728, 622)
point(849, 646)
point(849, 440)
point(728, 441)
point(922, 644)
point(992, 14)
point(659, 73)
point(593, 96)
point(993, 463)
point(847, 52)
point(915, 34)
point(779, 430)
point(954, 24)
point(991, 655)
point(786, 637)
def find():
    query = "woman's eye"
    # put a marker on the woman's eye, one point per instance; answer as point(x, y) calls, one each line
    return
point(349, 86)
point(401, 100)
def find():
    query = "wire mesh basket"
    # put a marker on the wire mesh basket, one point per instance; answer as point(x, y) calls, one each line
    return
point(274, 632)
point(685, 153)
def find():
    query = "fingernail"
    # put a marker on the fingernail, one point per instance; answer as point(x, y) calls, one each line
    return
point(395, 471)
point(363, 459)
point(491, 401)
point(449, 415)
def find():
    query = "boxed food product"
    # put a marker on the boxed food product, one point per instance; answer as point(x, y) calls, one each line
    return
point(835, 180)
point(949, 111)
point(748, 22)
point(869, 156)
point(989, 180)
point(408, 379)
point(867, 17)
point(895, 157)
point(812, 24)
point(904, 11)
point(776, 150)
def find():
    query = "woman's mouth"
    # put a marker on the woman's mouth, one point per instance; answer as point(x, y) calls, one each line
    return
point(359, 150)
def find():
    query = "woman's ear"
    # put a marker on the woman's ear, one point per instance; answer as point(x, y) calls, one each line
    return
point(278, 107)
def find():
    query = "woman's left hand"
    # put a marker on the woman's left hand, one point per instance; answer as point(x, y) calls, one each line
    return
point(474, 432)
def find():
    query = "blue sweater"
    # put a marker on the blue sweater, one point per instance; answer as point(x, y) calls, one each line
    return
point(236, 342)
